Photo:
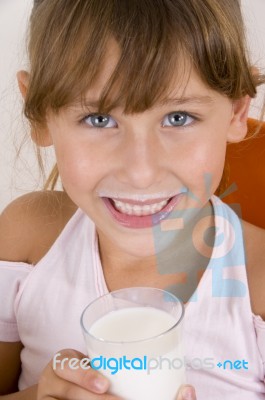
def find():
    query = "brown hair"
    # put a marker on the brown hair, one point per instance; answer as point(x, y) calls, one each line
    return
point(68, 41)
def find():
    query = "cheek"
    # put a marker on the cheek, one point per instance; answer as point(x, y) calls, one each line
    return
point(204, 161)
point(77, 166)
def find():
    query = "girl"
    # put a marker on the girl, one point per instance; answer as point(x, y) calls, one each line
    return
point(139, 99)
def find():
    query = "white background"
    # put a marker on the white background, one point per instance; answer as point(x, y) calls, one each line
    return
point(19, 175)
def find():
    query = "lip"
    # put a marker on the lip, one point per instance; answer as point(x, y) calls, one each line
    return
point(145, 221)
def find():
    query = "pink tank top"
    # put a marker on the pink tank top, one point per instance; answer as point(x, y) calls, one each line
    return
point(224, 342)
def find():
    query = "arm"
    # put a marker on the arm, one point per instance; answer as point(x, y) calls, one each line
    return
point(28, 394)
point(19, 223)
point(9, 373)
point(9, 366)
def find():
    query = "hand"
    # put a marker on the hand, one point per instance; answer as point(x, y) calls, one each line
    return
point(62, 382)
point(186, 392)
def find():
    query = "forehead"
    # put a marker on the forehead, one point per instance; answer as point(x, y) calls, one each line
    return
point(185, 84)
point(111, 89)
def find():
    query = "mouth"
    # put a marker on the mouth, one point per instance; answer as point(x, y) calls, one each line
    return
point(141, 214)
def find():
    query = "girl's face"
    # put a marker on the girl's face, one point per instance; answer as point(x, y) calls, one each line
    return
point(128, 172)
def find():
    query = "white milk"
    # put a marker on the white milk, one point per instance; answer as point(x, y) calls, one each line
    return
point(126, 327)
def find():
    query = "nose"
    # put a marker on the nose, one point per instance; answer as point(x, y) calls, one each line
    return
point(141, 161)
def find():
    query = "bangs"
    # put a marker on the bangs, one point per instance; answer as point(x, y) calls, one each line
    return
point(151, 54)
point(158, 41)
point(137, 84)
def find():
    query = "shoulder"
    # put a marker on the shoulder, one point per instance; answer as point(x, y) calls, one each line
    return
point(31, 223)
point(254, 239)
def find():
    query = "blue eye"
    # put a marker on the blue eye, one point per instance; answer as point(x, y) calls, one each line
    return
point(177, 119)
point(100, 121)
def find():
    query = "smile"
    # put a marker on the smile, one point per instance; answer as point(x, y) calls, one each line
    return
point(139, 210)
point(139, 215)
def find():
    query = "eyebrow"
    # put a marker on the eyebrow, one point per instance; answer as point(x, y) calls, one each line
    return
point(200, 100)
point(204, 100)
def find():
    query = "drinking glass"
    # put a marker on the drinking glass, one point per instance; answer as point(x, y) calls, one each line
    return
point(134, 337)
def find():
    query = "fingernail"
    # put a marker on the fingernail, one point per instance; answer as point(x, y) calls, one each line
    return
point(188, 393)
point(101, 384)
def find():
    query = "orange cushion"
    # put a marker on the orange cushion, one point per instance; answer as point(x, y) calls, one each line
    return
point(246, 162)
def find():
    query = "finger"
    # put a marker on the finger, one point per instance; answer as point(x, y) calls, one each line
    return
point(73, 366)
point(74, 392)
point(186, 392)
point(58, 388)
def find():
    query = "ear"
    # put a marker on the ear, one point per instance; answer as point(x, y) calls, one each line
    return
point(23, 81)
point(39, 133)
point(238, 125)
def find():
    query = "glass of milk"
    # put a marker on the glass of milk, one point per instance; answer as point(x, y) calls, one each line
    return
point(134, 337)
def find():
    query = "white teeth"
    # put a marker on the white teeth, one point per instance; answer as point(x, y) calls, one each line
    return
point(138, 210)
